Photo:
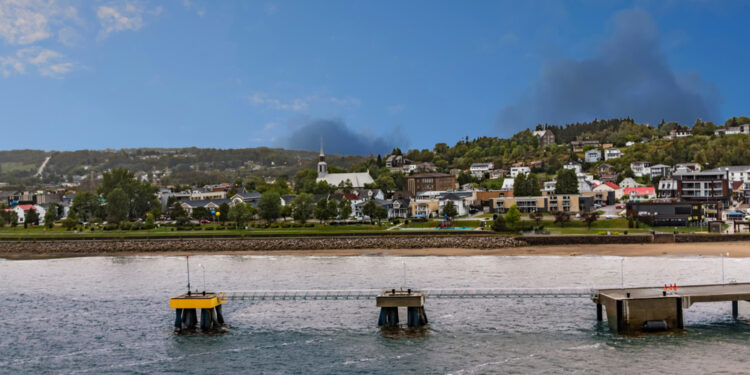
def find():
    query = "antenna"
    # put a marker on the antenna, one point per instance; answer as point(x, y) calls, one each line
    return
point(204, 277)
point(187, 260)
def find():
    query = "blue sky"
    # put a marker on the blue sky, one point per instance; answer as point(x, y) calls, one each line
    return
point(367, 76)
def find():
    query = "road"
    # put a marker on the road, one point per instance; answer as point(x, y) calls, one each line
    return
point(41, 167)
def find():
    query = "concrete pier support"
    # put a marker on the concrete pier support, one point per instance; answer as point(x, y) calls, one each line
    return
point(390, 300)
point(735, 309)
point(599, 312)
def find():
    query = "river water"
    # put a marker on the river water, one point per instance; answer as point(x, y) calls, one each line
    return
point(110, 315)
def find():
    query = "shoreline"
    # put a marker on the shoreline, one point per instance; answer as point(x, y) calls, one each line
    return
point(712, 249)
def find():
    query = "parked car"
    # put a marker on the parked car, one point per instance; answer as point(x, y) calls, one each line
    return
point(619, 207)
point(204, 221)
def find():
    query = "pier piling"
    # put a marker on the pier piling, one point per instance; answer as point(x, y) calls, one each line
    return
point(735, 309)
point(390, 300)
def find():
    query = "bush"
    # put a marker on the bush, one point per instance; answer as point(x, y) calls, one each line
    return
point(110, 226)
point(499, 224)
point(309, 225)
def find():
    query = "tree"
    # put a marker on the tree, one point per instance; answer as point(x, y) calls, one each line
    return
point(513, 217)
point(526, 186)
point(519, 186)
point(140, 196)
point(13, 219)
point(302, 207)
point(241, 213)
point(150, 222)
point(201, 213)
point(385, 183)
point(567, 182)
point(321, 211)
point(589, 218)
point(368, 209)
point(223, 212)
point(381, 213)
point(269, 206)
point(86, 206)
point(333, 208)
point(117, 205)
point(286, 211)
point(562, 217)
point(71, 221)
point(32, 217)
point(176, 211)
point(537, 217)
point(50, 216)
point(450, 209)
point(345, 208)
point(499, 224)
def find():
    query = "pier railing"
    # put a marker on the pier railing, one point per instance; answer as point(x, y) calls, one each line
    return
point(363, 294)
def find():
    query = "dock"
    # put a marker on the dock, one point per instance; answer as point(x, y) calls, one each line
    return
point(648, 309)
point(186, 314)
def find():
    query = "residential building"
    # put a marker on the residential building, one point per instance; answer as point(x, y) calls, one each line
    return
point(578, 146)
point(574, 166)
point(612, 153)
point(609, 187)
point(426, 167)
point(572, 203)
point(430, 182)
point(707, 186)
point(497, 173)
point(515, 171)
point(22, 210)
point(508, 184)
point(734, 173)
point(660, 170)
point(479, 169)
point(638, 194)
point(673, 213)
point(357, 180)
point(601, 197)
point(628, 182)
point(461, 204)
point(251, 198)
point(640, 168)
point(209, 204)
point(546, 137)
point(198, 195)
point(681, 133)
point(667, 188)
point(687, 167)
point(424, 208)
point(742, 129)
point(593, 155)
point(605, 169)
point(399, 209)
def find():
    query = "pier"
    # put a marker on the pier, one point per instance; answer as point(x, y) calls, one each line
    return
point(628, 310)
point(186, 314)
point(639, 310)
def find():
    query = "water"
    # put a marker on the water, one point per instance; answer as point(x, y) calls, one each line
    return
point(110, 315)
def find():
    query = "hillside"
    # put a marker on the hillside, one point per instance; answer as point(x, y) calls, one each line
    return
point(173, 165)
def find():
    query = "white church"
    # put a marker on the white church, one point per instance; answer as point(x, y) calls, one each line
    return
point(358, 180)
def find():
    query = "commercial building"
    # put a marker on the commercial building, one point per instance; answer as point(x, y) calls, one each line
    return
point(674, 213)
point(707, 186)
point(430, 182)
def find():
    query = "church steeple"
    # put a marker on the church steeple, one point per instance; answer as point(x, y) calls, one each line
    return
point(322, 166)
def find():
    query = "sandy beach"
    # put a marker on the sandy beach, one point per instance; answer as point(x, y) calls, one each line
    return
point(734, 249)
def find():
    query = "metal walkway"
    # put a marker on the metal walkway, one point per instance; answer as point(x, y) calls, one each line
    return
point(359, 294)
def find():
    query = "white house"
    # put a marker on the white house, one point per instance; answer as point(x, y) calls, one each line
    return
point(628, 182)
point(612, 153)
point(609, 186)
point(515, 171)
point(461, 206)
point(640, 168)
point(479, 169)
point(574, 166)
point(735, 173)
point(742, 129)
point(22, 209)
point(593, 155)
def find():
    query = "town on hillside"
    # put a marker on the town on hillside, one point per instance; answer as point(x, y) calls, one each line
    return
point(664, 176)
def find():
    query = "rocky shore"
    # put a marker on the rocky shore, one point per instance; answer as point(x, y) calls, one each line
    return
point(63, 248)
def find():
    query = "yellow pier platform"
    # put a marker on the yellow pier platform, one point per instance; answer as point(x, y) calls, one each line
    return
point(186, 315)
point(208, 300)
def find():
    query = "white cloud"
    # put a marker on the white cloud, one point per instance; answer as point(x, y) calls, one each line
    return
point(299, 104)
point(29, 21)
point(199, 9)
point(270, 125)
point(119, 18)
point(262, 100)
point(271, 8)
point(47, 62)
